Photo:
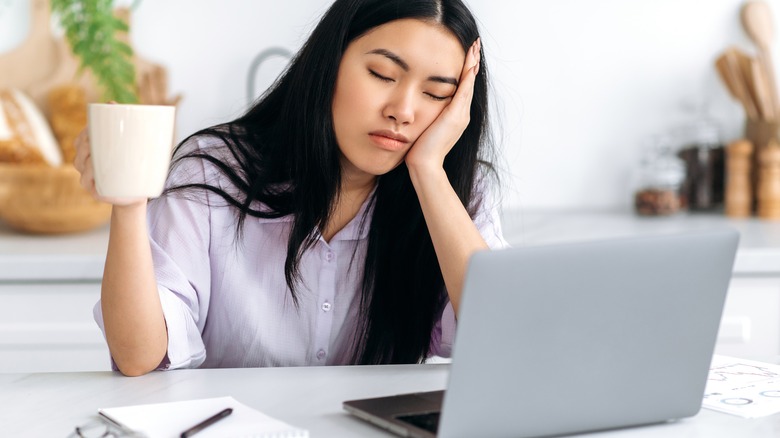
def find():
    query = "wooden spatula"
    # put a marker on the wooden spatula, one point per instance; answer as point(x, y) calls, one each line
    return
point(762, 93)
point(728, 66)
point(757, 21)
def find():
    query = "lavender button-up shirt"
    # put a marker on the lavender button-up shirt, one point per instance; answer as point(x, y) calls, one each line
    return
point(226, 302)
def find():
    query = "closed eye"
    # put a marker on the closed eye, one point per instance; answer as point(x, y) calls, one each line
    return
point(437, 98)
point(380, 77)
point(386, 79)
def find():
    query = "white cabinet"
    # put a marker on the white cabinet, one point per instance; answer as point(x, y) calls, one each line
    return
point(751, 319)
point(48, 286)
point(49, 327)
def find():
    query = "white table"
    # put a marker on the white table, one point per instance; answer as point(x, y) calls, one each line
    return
point(52, 404)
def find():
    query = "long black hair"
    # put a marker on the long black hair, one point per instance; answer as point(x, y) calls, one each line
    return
point(288, 163)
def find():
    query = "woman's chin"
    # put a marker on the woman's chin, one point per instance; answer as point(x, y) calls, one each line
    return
point(377, 168)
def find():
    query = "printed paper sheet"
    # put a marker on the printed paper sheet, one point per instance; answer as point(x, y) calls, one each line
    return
point(743, 387)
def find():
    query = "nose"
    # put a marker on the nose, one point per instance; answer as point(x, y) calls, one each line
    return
point(400, 107)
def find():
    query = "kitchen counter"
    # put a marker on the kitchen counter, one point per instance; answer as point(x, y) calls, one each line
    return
point(49, 284)
point(759, 247)
point(750, 326)
point(77, 257)
point(70, 257)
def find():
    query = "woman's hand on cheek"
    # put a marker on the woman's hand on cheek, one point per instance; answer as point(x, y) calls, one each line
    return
point(438, 139)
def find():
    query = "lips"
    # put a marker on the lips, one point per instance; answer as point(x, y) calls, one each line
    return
point(389, 140)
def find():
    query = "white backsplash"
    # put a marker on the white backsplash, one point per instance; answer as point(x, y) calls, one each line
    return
point(579, 84)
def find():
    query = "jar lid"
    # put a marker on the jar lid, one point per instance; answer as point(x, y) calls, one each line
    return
point(703, 132)
point(668, 171)
point(660, 165)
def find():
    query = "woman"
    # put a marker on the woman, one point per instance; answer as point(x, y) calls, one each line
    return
point(330, 224)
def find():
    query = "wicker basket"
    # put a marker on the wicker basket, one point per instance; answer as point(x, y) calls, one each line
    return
point(46, 200)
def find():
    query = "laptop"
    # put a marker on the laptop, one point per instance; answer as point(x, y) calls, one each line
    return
point(576, 337)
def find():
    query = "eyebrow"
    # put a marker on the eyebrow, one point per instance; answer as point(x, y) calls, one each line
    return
point(401, 63)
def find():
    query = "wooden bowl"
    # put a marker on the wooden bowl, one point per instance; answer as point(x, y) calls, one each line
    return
point(47, 200)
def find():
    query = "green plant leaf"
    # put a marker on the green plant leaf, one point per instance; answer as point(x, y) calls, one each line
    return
point(91, 29)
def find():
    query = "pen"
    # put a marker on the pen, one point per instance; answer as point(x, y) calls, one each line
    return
point(206, 423)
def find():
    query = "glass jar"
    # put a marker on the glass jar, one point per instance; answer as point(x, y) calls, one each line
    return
point(704, 157)
point(659, 180)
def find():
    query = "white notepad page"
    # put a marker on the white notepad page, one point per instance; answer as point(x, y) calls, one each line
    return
point(742, 387)
point(169, 420)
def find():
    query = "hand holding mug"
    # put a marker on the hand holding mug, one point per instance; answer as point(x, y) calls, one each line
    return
point(83, 163)
point(124, 153)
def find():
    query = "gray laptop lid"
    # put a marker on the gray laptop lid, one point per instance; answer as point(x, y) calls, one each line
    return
point(576, 337)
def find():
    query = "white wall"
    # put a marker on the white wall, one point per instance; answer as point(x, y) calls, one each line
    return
point(579, 83)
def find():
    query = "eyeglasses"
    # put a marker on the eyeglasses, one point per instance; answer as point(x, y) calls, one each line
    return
point(102, 429)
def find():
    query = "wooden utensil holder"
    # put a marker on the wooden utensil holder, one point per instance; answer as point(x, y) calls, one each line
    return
point(760, 133)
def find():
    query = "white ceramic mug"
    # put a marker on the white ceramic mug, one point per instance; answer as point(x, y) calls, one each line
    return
point(131, 148)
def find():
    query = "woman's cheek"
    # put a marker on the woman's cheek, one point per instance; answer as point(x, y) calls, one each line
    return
point(431, 115)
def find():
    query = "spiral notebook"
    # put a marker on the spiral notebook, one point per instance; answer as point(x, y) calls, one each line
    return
point(169, 420)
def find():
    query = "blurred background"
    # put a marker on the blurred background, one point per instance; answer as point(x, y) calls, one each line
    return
point(580, 87)
point(606, 112)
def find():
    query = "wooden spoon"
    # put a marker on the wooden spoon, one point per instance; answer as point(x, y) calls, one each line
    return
point(757, 21)
point(744, 63)
point(729, 65)
point(762, 94)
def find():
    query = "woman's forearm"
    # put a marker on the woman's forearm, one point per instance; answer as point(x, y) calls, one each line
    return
point(132, 313)
point(454, 235)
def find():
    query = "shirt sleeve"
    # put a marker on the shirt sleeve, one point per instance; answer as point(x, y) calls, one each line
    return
point(488, 221)
point(179, 236)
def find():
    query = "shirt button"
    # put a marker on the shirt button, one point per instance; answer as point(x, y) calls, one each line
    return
point(326, 306)
point(329, 256)
point(321, 354)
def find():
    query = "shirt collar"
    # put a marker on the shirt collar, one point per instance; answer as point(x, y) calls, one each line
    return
point(351, 231)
